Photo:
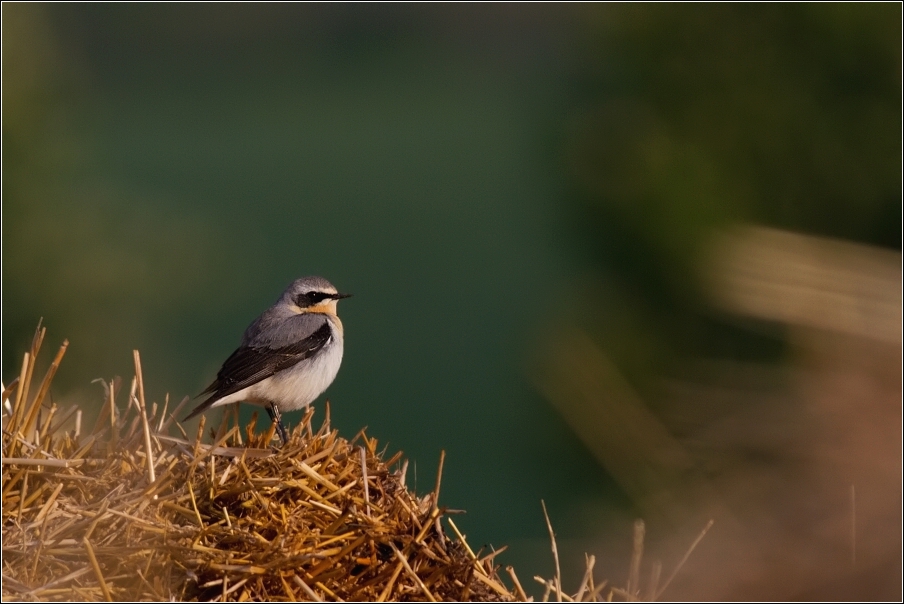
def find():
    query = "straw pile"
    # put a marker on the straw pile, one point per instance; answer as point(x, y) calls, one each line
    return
point(135, 509)
point(132, 511)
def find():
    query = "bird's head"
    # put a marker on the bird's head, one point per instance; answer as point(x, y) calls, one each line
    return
point(312, 295)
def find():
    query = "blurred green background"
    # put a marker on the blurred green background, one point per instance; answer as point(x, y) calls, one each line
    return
point(474, 175)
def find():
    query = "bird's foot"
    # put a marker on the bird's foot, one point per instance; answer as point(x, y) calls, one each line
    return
point(276, 417)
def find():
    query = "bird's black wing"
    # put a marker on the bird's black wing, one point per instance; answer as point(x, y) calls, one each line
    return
point(250, 364)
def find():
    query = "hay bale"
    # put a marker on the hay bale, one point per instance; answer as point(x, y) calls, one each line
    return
point(134, 509)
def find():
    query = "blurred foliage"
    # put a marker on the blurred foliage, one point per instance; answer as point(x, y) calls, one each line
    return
point(784, 114)
point(690, 118)
point(684, 121)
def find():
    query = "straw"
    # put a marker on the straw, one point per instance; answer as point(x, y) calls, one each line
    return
point(132, 510)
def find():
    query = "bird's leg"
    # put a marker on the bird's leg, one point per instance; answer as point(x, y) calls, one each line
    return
point(276, 417)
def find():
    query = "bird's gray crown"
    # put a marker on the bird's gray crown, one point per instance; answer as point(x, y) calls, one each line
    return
point(306, 285)
point(309, 291)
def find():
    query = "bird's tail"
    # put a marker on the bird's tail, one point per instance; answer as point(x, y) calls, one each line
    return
point(206, 403)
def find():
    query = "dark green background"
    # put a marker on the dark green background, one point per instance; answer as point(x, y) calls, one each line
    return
point(169, 169)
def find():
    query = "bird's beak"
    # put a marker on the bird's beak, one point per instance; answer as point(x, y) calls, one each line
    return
point(340, 296)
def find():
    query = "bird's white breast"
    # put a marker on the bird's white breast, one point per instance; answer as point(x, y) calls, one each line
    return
point(299, 385)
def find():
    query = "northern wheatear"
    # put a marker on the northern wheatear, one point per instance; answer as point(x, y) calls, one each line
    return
point(288, 356)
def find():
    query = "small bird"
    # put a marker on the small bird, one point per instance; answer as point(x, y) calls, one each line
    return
point(288, 356)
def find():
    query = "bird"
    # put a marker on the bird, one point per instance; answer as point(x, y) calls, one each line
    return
point(288, 356)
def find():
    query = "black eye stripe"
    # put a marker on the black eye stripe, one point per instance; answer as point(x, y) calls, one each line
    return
point(312, 298)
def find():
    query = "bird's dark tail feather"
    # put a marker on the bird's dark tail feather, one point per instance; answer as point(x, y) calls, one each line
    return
point(201, 408)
